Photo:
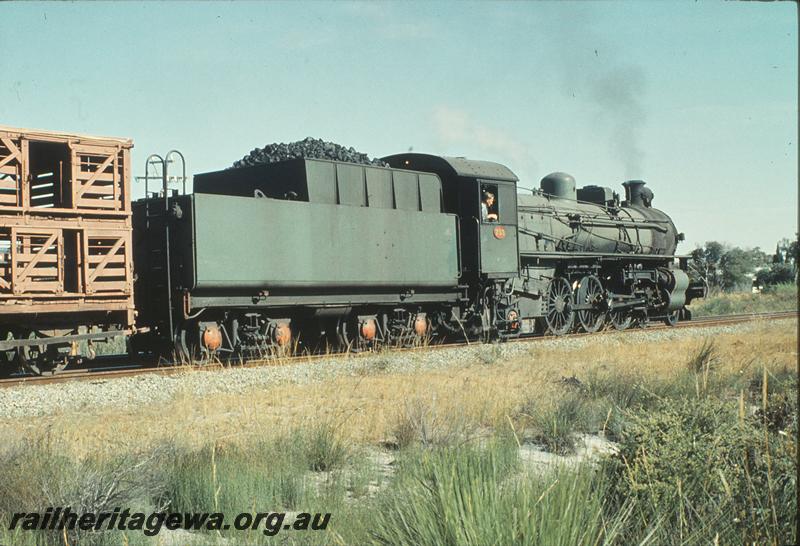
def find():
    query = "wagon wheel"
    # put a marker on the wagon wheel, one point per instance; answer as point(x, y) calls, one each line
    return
point(560, 316)
point(620, 320)
point(672, 318)
point(7, 357)
point(39, 359)
point(591, 291)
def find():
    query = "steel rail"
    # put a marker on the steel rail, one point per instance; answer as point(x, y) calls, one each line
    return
point(130, 368)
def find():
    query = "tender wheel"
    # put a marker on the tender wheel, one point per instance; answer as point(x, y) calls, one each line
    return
point(590, 291)
point(344, 335)
point(183, 345)
point(560, 316)
point(357, 334)
point(422, 329)
point(409, 329)
point(672, 318)
point(197, 343)
point(281, 338)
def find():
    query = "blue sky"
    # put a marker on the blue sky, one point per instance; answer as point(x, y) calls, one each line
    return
point(697, 98)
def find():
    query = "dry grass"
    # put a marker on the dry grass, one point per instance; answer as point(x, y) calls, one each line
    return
point(366, 408)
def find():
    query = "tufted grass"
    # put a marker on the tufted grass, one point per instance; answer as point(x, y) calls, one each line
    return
point(476, 495)
point(451, 434)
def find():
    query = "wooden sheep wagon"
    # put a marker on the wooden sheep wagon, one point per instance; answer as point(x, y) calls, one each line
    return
point(66, 272)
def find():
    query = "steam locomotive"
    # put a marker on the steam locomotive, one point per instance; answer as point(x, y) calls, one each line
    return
point(306, 252)
point(363, 255)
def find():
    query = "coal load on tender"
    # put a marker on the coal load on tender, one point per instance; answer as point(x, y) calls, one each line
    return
point(309, 148)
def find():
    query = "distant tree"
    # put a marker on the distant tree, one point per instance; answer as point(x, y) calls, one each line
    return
point(784, 264)
point(786, 252)
point(706, 261)
point(777, 273)
point(760, 258)
point(728, 268)
point(714, 251)
point(737, 267)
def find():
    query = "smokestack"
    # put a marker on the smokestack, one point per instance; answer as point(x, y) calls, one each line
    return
point(636, 194)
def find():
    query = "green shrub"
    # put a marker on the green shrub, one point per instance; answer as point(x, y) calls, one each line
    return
point(704, 358)
point(700, 472)
point(781, 297)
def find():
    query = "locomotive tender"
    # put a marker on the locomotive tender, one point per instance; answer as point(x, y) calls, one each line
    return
point(314, 251)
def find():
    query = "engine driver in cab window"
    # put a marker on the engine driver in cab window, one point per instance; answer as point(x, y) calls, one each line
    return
point(488, 206)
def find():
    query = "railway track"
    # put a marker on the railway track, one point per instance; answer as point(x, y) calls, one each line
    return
point(112, 367)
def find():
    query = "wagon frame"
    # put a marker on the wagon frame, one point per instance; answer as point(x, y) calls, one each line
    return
point(65, 239)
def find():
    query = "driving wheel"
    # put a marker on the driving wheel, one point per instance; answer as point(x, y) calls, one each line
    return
point(590, 292)
point(560, 316)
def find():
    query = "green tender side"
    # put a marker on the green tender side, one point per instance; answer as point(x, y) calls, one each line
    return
point(242, 242)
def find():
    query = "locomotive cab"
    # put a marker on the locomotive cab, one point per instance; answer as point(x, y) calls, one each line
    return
point(497, 242)
point(488, 238)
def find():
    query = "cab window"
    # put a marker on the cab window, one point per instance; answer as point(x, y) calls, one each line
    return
point(506, 202)
point(489, 204)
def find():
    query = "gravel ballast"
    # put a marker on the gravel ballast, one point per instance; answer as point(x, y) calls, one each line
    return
point(130, 393)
